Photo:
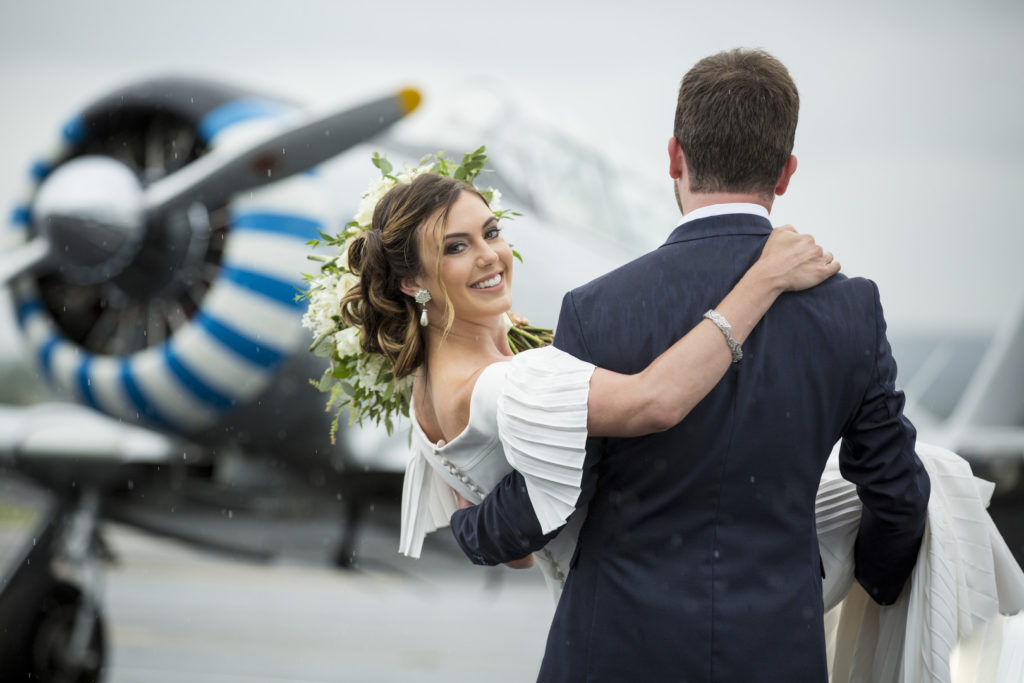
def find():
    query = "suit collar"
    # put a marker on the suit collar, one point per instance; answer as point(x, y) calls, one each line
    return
point(719, 226)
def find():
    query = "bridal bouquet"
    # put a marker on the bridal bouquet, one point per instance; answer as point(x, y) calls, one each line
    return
point(363, 383)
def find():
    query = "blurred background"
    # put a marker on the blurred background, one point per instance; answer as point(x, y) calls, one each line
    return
point(909, 149)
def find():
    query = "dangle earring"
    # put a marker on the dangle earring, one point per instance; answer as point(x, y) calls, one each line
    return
point(422, 297)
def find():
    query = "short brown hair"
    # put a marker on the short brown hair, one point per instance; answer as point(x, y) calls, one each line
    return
point(735, 121)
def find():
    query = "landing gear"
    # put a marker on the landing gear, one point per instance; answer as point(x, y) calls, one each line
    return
point(69, 641)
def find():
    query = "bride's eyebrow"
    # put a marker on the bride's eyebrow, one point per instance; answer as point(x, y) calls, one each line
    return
point(463, 235)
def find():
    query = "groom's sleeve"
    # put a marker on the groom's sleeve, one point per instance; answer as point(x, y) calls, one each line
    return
point(504, 527)
point(877, 455)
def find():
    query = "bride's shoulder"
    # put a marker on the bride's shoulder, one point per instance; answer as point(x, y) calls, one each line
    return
point(451, 390)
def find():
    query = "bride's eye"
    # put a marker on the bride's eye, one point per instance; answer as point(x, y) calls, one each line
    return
point(455, 247)
point(492, 232)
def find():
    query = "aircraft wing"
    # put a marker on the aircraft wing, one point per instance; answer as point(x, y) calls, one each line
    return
point(57, 431)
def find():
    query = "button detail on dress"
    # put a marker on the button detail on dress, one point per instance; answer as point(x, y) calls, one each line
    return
point(458, 474)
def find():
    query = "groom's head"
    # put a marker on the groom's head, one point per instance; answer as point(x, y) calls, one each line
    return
point(735, 123)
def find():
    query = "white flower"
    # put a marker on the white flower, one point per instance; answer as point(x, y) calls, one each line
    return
point(368, 202)
point(342, 258)
point(495, 199)
point(345, 282)
point(323, 305)
point(347, 341)
point(411, 174)
point(368, 369)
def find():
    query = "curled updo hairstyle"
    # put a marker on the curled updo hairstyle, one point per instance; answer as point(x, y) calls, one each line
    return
point(387, 254)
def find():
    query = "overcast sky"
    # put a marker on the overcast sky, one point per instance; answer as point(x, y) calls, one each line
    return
point(910, 142)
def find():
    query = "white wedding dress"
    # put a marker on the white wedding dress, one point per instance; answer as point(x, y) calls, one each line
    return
point(530, 414)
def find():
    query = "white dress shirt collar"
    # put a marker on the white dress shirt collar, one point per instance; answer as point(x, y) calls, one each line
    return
point(722, 209)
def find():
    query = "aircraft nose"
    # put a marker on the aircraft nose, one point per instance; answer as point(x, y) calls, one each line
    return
point(408, 100)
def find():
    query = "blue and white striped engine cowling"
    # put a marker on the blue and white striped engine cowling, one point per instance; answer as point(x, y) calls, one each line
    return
point(248, 323)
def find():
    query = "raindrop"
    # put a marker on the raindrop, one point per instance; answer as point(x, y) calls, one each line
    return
point(752, 479)
point(716, 555)
point(231, 514)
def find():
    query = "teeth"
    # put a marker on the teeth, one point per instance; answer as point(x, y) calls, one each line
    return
point(488, 283)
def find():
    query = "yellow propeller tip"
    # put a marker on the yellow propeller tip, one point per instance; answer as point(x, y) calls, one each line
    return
point(408, 100)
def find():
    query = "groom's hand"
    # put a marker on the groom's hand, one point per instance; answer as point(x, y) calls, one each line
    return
point(522, 563)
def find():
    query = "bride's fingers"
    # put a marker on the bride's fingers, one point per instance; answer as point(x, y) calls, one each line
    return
point(828, 257)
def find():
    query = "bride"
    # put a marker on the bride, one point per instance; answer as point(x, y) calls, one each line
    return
point(433, 291)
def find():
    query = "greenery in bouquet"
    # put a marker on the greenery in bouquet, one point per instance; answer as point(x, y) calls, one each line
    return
point(359, 383)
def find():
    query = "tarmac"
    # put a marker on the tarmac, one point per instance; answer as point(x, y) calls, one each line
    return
point(176, 614)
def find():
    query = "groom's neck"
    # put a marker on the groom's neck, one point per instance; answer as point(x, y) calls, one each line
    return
point(692, 202)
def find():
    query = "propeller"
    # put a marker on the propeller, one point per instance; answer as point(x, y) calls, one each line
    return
point(92, 213)
point(23, 259)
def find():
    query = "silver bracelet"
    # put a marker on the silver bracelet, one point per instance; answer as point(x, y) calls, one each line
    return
point(719, 320)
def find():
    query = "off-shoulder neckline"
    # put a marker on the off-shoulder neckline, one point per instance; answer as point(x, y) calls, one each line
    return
point(472, 399)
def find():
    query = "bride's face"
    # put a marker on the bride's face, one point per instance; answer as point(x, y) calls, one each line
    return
point(476, 262)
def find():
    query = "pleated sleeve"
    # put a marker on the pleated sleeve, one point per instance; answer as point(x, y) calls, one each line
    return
point(542, 424)
point(427, 504)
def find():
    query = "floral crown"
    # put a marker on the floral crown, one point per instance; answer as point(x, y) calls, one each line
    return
point(364, 383)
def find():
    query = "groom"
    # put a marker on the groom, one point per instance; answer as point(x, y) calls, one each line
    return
point(698, 559)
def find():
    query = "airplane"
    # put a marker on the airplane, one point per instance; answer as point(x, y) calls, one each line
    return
point(153, 267)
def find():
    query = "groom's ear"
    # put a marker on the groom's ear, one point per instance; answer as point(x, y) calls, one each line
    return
point(676, 160)
point(788, 169)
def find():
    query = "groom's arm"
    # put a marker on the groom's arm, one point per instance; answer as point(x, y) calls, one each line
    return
point(504, 527)
point(877, 455)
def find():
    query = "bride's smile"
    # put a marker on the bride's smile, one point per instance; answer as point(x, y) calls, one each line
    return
point(490, 283)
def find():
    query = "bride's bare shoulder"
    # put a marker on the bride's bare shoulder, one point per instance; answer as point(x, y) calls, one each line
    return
point(450, 394)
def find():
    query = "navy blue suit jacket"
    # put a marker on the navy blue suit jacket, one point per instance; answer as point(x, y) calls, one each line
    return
point(698, 560)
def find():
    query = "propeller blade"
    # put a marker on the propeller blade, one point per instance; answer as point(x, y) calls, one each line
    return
point(23, 259)
point(214, 178)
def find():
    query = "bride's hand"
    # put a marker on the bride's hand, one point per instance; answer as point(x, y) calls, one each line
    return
point(795, 261)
